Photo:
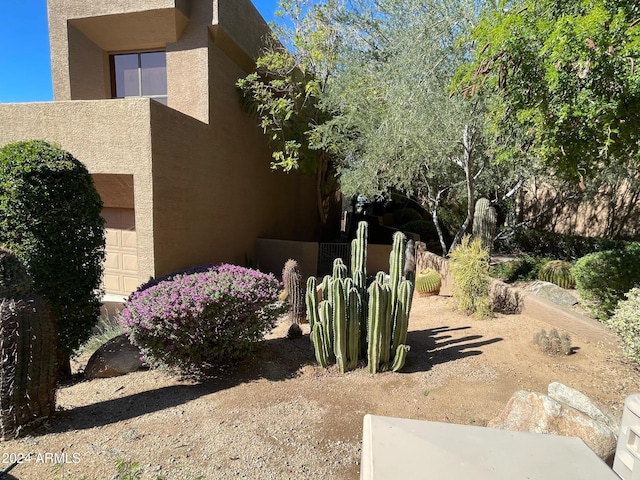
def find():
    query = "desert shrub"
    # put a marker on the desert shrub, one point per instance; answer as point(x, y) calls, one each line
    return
point(626, 323)
point(153, 281)
point(540, 243)
point(50, 217)
point(559, 273)
point(603, 278)
point(105, 329)
point(469, 266)
point(205, 321)
point(521, 269)
point(553, 343)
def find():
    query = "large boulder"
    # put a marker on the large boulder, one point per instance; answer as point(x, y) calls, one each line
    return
point(539, 413)
point(552, 292)
point(116, 357)
point(581, 402)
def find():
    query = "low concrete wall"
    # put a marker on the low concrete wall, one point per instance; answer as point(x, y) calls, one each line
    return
point(271, 255)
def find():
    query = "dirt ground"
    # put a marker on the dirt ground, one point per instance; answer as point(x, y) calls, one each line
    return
point(281, 417)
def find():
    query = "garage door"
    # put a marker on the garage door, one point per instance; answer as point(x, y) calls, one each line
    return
point(121, 263)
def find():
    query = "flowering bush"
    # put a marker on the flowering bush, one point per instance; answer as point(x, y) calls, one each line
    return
point(202, 321)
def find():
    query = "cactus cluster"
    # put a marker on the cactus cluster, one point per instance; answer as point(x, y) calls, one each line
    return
point(484, 223)
point(350, 321)
point(553, 343)
point(293, 292)
point(28, 343)
point(558, 272)
point(428, 282)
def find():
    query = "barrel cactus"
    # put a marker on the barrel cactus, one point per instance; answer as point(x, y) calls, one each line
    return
point(428, 282)
point(294, 292)
point(558, 272)
point(28, 342)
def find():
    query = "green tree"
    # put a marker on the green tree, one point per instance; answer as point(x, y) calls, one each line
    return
point(50, 217)
point(566, 82)
point(284, 91)
point(395, 124)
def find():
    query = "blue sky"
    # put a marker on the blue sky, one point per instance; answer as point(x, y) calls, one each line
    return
point(25, 66)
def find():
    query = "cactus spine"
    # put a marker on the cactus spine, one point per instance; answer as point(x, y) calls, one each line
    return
point(484, 223)
point(354, 322)
point(27, 351)
point(428, 282)
point(292, 280)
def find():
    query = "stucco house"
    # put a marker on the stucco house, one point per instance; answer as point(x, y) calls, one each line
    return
point(145, 97)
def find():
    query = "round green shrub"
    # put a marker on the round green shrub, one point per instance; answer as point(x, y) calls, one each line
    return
point(626, 323)
point(559, 273)
point(603, 278)
point(50, 218)
point(202, 322)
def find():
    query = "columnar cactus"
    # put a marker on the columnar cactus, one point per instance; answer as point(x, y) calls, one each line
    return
point(294, 294)
point(428, 282)
point(558, 272)
point(28, 343)
point(353, 322)
point(484, 223)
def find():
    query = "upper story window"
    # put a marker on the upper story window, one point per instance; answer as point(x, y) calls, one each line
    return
point(140, 75)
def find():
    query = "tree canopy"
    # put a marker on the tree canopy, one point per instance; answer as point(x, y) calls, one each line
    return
point(566, 81)
point(394, 123)
point(285, 89)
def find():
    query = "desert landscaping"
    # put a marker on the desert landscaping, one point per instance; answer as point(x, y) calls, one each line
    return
point(279, 416)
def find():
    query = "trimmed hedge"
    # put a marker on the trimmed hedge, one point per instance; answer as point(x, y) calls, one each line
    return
point(201, 322)
point(603, 278)
point(50, 218)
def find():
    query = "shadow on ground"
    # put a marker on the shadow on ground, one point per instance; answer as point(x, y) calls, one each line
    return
point(275, 360)
point(434, 346)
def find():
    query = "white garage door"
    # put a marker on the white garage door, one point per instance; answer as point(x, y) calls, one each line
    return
point(121, 263)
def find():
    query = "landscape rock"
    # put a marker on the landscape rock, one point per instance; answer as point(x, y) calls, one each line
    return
point(580, 401)
point(116, 357)
point(539, 413)
point(553, 293)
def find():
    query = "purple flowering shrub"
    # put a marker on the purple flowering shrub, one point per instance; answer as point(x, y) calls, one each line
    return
point(202, 321)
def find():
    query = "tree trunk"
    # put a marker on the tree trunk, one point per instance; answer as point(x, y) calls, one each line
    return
point(467, 163)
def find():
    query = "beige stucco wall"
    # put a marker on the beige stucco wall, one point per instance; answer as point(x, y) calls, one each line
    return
point(202, 187)
point(613, 212)
point(271, 256)
point(207, 196)
point(108, 136)
point(113, 26)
